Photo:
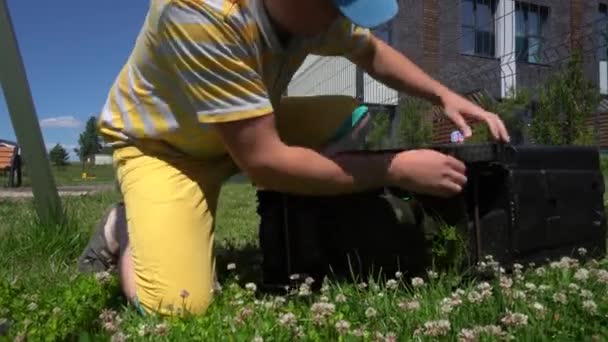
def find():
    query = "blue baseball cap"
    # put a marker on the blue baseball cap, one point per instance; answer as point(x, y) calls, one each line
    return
point(368, 13)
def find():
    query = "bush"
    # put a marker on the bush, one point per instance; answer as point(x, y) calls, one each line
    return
point(58, 156)
point(415, 127)
point(563, 105)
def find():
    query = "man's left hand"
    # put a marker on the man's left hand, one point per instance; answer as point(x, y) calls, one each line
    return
point(458, 109)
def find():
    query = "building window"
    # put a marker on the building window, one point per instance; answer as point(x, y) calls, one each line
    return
point(530, 21)
point(477, 23)
point(602, 29)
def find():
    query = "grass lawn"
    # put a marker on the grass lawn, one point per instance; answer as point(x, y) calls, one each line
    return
point(71, 174)
point(44, 298)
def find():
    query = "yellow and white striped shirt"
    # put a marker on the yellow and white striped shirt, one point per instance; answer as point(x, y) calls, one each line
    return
point(197, 62)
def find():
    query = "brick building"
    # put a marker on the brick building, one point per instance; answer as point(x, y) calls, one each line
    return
point(473, 46)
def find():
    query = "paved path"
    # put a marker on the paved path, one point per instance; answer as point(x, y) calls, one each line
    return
point(72, 190)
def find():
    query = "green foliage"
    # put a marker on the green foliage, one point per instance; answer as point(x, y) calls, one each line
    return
point(378, 136)
point(563, 104)
point(89, 141)
point(509, 110)
point(449, 249)
point(55, 312)
point(415, 127)
point(43, 298)
point(59, 156)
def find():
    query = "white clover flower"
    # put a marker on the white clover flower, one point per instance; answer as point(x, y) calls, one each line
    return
point(258, 339)
point(582, 251)
point(322, 310)
point(446, 308)
point(432, 274)
point(411, 305)
point(251, 287)
point(467, 335)
point(590, 306)
point(530, 286)
point(560, 297)
point(435, 328)
point(581, 275)
point(340, 298)
point(544, 287)
point(304, 290)
point(602, 276)
point(391, 284)
point(492, 330)
point(342, 326)
point(325, 288)
point(474, 297)
point(390, 337)
point(539, 307)
point(279, 300)
point(398, 275)
point(287, 319)
point(370, 312)
point(514, 319)
point(231, 266)
point(586, 294)
point(358, 332)
point(458, 293)
point(309, 281)
point(506, 283)
point(518, 294)
point(417, 282)
point(485, 286)
point(541, 271)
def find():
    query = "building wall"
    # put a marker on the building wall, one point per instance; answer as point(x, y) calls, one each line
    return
point(429, 33)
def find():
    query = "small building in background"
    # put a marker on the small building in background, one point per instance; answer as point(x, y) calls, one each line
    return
point(103, 157)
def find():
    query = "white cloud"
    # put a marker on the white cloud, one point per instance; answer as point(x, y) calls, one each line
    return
point(60, 122)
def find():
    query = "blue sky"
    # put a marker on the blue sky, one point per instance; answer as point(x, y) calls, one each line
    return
point(73, 51)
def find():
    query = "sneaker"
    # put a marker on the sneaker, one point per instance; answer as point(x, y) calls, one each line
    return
point(102, 252)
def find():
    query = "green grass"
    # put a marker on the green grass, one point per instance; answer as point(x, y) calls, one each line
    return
point(71, 174)
point(44, 298)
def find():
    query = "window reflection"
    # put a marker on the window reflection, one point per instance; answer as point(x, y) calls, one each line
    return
point(477, 27)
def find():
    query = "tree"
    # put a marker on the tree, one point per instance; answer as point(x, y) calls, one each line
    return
point(59, 156)
point(89, 141)
point(563, 105)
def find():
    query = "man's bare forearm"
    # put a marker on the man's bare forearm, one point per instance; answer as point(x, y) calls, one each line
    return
point(396, 71)
point(304, 171)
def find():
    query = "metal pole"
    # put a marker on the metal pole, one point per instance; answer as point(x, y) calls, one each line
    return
point(25, 122)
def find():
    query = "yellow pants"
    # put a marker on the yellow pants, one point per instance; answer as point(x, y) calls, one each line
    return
point(171, 204)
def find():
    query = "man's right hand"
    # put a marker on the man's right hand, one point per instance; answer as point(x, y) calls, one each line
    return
point(427, 172)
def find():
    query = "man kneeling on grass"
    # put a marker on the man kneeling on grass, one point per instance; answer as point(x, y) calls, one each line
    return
point(200, 99)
